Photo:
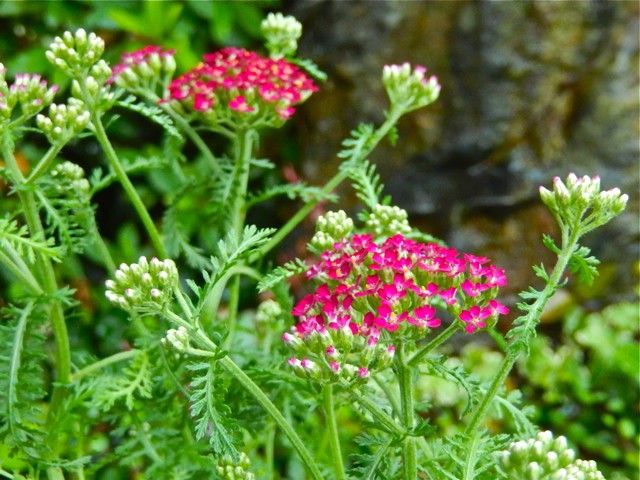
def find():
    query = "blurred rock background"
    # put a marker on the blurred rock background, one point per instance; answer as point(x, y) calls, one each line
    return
point(530, 90)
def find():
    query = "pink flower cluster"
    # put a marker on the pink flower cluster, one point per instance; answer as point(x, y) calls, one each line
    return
point(371, 293)
point(397, 282)
point(245, 82)
point(145, 56)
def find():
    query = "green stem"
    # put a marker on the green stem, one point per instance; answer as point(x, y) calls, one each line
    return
point(244, 143)
point(130, 190)
point(405, 382)
point(43, 164)
point(269, 450)
point(532, 318)
point(49, 284)
point(435, 343)
point(331, 185)
point(378, 414)
point(55, 473)
point(334, 435)
point(21, 272)
point(275, 414)
point(186, 128)
point(386, 389)
point(105, 362)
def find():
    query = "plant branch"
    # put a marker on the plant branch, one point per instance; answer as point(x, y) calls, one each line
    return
point(334, 435)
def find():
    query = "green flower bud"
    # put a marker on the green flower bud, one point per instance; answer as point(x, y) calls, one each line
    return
point(239, 470)
point(580, 203)
point(331, 228)
point(143, 284)
point(268, 312)
point(545, 457)
point(408, 87)
point(63, 122)
point(70, 178)
point(177, 338)
point(281, 34)
point(387, 220)
point(75, 53)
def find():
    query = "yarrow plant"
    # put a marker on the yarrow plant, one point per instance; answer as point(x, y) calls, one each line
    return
point(202, 385)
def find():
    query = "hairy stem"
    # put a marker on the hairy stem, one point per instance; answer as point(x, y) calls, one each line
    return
point(532, 317)
point(244, 143)
point(105, 362)
point(49, 284)
point(378, 414)
point(435, 343)
point(334, 435)
point(331, 185)
point(405, 382)
point(275, 414)
point(130, 190)
point(44, 163)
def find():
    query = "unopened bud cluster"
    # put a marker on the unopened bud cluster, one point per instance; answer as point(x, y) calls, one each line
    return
point(268, 312)
point(337, 354)
point(545, 458)
point(75, 53)
point(386, 220)
point(143, 68)
point(579, 201)
point(69, 177)
point(331, 228)
point(239, 470)
point(281, 34)
point(177, 338)
point(143, 284)
point(94, 89)
point(30, 93)
point(409, 87)
point(63, 121)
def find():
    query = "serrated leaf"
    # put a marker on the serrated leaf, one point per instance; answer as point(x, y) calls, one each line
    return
point(279, 274)
point(584, 266)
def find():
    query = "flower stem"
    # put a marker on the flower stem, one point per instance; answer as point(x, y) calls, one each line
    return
point(21, 272)
point(244, 143)
point(43, 164)
point(130, 190)
point(331, 185)
point(405, 382)
point(378, 414)
point(435, 343)
point(115, 358)
point(531, 318)
point(273, 411)
point(49, 283)
point(334, 435)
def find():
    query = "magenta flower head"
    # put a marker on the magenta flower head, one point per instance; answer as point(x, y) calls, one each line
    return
point(372, 295)
point(143, 68)
point(238, 87)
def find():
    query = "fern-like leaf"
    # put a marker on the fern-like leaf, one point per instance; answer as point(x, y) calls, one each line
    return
point(18, 238)
point(279, 274)
point(134, 381)
point(206, 396)
point(152, 112)
point(366, 182)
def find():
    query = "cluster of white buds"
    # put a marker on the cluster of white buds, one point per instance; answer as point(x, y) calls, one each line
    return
point(333, 355)
point(545, 458)
point(238, 470)
point(94, 89)
point(281, 34)
point(386, 220)
point(143, 284)
point(268, 312)
point(64, 121)
point(30, 92)
point(70, 177)
point(75, 53)
point(410, 87)
point(177, 338)
point(331, 227)
point(579, 201)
